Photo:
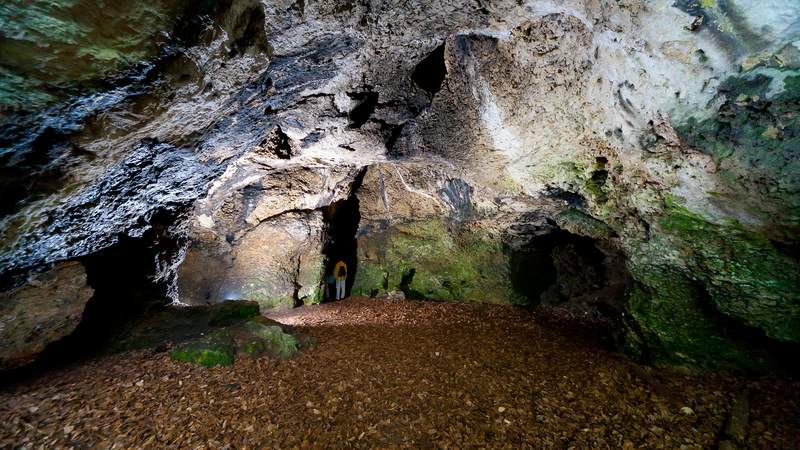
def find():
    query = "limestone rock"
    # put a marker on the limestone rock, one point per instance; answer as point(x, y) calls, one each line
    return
point(393, 296)
point(216, 349)
point(48, 307)
point(277, 263)
point(260, 338)
point(251, 337)
point(465, 132)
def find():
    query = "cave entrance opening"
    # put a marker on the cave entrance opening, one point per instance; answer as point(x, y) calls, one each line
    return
point(341, 220)
point(125, 291)
point(580, 274)
point(429, 74)
point(127, 287)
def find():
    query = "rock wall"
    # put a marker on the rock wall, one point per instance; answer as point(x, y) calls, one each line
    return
point(485, 143)
point(419, 234)
point(47, 308)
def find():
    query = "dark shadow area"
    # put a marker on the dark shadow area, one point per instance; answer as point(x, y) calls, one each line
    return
point(429, 74)
point(341, 219)
point(405, 284)
point(777, 354)
point(367, 101)
point(573, 279)
point(249, 32)
point(558, 266)
point(125, 290)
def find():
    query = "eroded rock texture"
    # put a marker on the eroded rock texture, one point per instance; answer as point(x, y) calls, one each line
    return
point(637, 158)
point(46, 308)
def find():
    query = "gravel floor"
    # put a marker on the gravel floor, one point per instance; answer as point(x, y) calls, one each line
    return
point(396, 374)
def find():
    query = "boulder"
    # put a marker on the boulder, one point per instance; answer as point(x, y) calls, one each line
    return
point(260, 338)
point(253, 337)
point(48, 307)
point(218, 348)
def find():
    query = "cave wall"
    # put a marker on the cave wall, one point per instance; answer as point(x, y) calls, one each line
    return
point(419, 234)
point(47, 308)
point(663, 132)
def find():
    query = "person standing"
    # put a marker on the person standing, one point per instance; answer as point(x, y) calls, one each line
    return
point(340, 272)
point(330, 280)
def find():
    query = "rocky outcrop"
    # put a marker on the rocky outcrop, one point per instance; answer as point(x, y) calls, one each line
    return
point(277, 263)
point(418, 234)
point(47, 308)
point(639, 155)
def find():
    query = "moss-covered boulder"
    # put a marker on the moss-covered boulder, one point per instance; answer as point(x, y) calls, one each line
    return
point(254, 337)
point(260, 338)
point(230, 311)
point(217, 348)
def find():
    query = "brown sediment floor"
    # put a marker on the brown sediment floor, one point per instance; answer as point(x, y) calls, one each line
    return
point(396, 374)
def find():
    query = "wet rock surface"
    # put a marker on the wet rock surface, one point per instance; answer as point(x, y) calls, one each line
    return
point(475, 139)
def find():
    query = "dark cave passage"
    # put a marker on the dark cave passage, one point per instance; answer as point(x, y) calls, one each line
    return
point(124, 291)
point(122, 277)
point(576, 276)
point(561, 268)
point(429, 74)
point(341, 220)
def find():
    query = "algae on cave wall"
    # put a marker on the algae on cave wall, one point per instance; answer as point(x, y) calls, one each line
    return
point(754, 141)
point(435, 260)
point(50, 48)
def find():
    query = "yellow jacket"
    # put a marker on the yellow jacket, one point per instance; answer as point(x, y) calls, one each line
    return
point(340, 265)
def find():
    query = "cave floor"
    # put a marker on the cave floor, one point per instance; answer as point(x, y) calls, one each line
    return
point(396, 374)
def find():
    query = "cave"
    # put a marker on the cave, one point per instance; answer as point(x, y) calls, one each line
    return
point(127, 287)
point(559, 268)
point(341, 224)
point(571, 227)
point(125, 290)
point(365, 106)
point(429, 74)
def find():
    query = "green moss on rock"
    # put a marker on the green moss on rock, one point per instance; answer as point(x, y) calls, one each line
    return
point(267, 301)
point(52, 49)
point(746, 276)
point(215, 349)
point(582, 224)
point(754, 139)
point(434, 260)
point(674, 327)
point(371, 279)
point(253, 337)
point(232, 311)
point(317, 297)
point(709, 294)
point(270, 338)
